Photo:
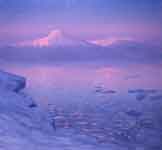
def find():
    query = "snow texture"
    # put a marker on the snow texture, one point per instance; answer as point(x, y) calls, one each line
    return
point(11, 82)
point(26, 127)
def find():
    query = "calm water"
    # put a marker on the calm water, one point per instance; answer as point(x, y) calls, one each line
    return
point(94, 100)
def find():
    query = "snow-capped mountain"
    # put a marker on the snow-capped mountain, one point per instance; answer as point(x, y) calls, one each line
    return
point(58, 46)
point(55, 38)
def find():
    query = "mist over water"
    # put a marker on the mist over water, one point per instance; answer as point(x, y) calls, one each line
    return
point(52, 83)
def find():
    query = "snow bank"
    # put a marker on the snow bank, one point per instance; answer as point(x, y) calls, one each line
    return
point(25, 127)
point(11, 82)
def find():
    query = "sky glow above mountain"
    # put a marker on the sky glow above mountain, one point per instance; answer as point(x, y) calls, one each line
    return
point(89, 20)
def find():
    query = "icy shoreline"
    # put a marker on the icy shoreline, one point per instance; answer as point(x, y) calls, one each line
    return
point(133, 123)
point(24, 126)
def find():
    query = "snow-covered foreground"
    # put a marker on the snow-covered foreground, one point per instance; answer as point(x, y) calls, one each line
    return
point(25, 126)
point(94, 117)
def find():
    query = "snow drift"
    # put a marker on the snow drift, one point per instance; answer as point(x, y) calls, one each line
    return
point(26, 127)
point(11, 82)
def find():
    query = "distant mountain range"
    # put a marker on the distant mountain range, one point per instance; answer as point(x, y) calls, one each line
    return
point(60, 47)
point(55, 38)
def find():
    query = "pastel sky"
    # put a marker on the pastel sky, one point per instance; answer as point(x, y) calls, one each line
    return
point(86, 19)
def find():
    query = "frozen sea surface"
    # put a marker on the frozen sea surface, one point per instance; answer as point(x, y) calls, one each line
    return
point(99, 108)
point(23, 126)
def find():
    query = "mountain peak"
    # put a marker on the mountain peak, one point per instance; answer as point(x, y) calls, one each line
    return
point(52, 37)
point(111, 41)
point(55, 33)
point(57, 38)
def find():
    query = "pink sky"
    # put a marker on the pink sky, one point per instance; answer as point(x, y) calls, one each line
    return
point(27, 32)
